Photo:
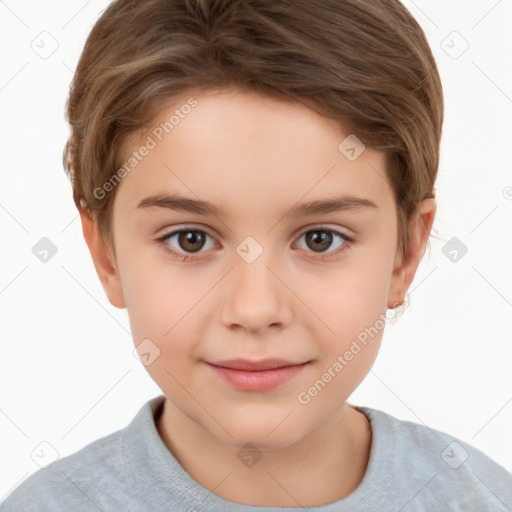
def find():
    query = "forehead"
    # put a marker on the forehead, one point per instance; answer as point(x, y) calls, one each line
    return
point(244, 149)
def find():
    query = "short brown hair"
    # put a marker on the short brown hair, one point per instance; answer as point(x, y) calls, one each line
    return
point(366, 64)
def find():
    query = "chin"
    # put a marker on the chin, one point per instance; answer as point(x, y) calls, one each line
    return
point(266, 433)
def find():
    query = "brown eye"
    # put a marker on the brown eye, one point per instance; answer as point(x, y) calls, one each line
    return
point(321, 240)
point(318, 241)
point(191, 241)
point(186, 241)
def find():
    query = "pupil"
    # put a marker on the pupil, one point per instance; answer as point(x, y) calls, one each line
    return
point(324, 238)
point(187, 239)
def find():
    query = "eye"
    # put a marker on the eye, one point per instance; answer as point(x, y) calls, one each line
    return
point(187, 240)
point(320, 239)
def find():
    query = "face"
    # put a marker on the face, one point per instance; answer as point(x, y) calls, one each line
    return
point(258, 275)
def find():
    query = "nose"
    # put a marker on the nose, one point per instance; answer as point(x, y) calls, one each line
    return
point(256, 297)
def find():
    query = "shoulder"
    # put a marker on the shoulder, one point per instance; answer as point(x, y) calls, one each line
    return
point(107, 474)
point(71, 482)
point(438, 467)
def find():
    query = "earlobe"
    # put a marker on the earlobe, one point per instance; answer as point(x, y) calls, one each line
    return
point(103, 260)
point(405, 267)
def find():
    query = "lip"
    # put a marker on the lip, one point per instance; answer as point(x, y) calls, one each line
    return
point(262, 375)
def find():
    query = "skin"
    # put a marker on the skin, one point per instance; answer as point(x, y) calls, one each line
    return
point(258, 156)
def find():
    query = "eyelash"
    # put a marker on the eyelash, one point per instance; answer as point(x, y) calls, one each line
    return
point(322, 256)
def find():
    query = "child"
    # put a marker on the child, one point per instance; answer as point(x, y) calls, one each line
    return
point(257, 129)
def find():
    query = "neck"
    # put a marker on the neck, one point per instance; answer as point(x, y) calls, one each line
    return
point(324, 466)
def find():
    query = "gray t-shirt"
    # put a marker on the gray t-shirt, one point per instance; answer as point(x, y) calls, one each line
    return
point(411, 468)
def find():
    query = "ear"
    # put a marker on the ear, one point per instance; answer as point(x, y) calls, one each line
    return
point(103, 260)
point(405, 268)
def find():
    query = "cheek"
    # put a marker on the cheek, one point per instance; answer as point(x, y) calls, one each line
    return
point(345, 301)
point(165, 309)
point(167, 305)
point(352, 310)
point(157, 292)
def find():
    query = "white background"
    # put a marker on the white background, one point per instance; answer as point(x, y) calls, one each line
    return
point(68, 374)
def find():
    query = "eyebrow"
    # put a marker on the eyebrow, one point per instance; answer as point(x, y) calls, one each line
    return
point(186, 204)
